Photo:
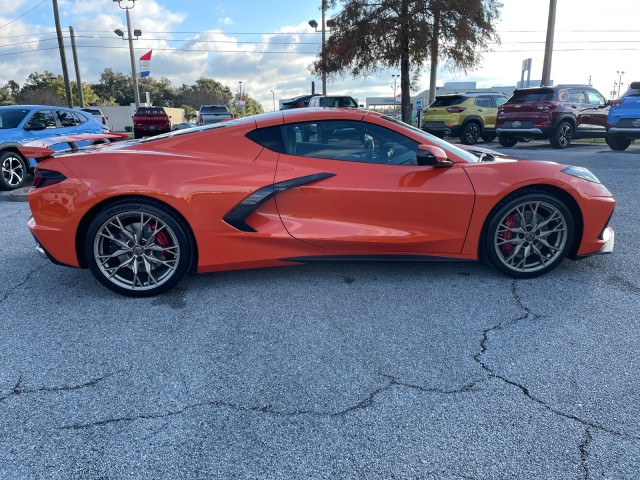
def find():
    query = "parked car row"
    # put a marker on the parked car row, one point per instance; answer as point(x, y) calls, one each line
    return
point(558, 113)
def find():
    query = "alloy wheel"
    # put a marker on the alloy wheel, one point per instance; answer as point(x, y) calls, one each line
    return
point(136, 250)
point(530, 237)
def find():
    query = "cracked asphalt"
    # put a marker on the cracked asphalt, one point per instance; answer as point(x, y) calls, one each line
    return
point(380, 371)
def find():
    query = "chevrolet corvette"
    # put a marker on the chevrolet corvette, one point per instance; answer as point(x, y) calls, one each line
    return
point(306, 185)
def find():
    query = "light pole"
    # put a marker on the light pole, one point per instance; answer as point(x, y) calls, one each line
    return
point(137, 33)
point(273, 97)
point(323, 60)
point(620, 74)
point(395, 101)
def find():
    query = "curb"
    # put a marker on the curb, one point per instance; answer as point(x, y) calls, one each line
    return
point(19, 194)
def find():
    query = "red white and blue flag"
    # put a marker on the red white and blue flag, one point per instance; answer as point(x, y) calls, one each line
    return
point(145, 64)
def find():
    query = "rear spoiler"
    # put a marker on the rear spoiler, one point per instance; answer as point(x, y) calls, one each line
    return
point(39, 150)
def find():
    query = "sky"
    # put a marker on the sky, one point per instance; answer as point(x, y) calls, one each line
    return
point(269, 45)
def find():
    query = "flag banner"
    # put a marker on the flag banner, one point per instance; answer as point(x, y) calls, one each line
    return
point(145, 64)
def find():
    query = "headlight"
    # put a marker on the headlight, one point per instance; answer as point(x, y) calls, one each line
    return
point(581, 172)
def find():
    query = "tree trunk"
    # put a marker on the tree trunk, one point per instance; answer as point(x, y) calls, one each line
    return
point(405, 74)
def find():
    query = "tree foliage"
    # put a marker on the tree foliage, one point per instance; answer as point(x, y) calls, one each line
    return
point(116, 88)
point(372, 35)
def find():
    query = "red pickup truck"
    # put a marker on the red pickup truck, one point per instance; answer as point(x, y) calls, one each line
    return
point(149, 121)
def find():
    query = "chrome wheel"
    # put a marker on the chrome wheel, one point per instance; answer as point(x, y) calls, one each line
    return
point(14, 171)
point(530, 235)
point(138, 249)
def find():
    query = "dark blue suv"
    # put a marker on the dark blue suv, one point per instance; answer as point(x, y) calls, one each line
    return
point(623, 122)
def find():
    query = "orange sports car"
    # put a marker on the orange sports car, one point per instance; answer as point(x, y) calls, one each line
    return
point(306, 185)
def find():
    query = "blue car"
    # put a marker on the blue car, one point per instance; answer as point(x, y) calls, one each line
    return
point(24, 123)
point(623, 122)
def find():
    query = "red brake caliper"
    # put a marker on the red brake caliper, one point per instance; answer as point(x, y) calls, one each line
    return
point(508, 235)
point(161, 239)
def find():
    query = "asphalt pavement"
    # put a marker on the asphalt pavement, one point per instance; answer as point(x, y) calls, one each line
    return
point(377, 371)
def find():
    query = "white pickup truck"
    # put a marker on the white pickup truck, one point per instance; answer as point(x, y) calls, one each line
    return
point(213, 114)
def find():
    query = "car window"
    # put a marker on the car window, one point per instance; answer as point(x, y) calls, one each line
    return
point(269, 137)
point(70, 119)
point(44, 117)
point(594, 98)
point(213, 109)
point(532, 96)
point(11, 118)
point(446, 101)
point(500, 100)
point(349, 141)
point(576, 95)
point(484, 102)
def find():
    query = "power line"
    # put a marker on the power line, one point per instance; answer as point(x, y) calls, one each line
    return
point(18, 18)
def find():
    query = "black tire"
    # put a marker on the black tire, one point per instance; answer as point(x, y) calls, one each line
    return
point(506, 140)
point(618, 143)
point(470, 134)
point(513, 241)
point(137, 134)
point(488, 138)
point(138, 248)
point(562, 135)
point(14, 171)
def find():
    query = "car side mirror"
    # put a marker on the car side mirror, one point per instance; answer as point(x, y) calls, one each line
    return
point(432, 156)
point(35, 126)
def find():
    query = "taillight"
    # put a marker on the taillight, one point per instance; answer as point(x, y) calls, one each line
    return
point(200, 120)
point(455, 109)
point(45, 178)
point(104, 120)
point(616, 102)
point(547, 106)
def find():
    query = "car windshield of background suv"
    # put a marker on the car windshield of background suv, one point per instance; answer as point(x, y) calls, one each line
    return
point(12, 118)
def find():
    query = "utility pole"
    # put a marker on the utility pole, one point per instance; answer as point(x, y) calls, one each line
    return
point(63, 58)
point(548, 48)
point(77, 67)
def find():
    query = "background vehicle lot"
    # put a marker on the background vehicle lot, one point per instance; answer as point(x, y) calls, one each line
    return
point(444, 370)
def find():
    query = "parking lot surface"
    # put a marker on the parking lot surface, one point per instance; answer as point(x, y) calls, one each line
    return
point(377, 371)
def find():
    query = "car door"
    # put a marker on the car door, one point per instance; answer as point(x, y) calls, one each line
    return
point(359, 190)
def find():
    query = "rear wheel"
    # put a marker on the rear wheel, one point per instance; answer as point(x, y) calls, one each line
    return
point(14, 171)
point(528, 235)
point(470, 134)
point(138, 248)
point(618, 143)
point(507, 141)
point(561, 137)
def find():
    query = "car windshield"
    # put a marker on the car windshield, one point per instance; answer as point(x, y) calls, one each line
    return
point(150, 111)
point(632, 92)
point(447, 101)
point(531, 96)
point(213, 109)
point(446, 146)
point(12, 117)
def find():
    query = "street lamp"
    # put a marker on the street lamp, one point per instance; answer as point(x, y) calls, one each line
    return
point(137, 33)
point(273, 97)
point(620, 74)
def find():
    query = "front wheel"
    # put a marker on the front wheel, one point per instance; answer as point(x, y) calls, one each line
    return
point(14, 171)
point(561, 137)
point(507, 141)
point(528, 235)
point(138, 248)
point(618, 143)
point(470, 134)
